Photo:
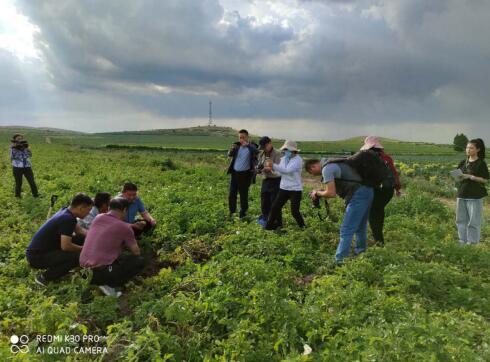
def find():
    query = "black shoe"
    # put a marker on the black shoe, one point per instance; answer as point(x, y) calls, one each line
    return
point(41, 280)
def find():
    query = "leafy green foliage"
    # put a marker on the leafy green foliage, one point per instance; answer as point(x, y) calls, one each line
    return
point(220, 289)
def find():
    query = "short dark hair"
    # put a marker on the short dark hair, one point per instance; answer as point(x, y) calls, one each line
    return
point(480, 145)
point(309, 164)
point(118, 203)
point(81, 199)
point(101, 198)
point(243, 131)
point(16, 135)
point(129, 186)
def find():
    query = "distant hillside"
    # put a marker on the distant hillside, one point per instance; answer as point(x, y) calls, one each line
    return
point(214, 131)
point(205, 137)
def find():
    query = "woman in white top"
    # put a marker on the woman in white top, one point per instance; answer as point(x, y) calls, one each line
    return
point(291, 187)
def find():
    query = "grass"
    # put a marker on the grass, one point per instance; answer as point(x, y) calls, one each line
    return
point(216, 138)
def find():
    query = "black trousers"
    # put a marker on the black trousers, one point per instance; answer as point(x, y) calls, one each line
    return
point(57, 262)
point(239, 184)
point(377, 213)
point(29, 175)
point(268, 193)
point(275, 216)
point(120, 272)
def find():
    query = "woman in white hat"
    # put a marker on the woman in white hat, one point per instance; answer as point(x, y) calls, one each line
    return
point(290, 188)
point(383, 195)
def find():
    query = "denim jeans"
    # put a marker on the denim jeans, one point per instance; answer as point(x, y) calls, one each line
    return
point(355, 222)
point(469, 217)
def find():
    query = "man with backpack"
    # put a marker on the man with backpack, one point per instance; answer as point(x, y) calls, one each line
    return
point(352, 179)
point(384, 194)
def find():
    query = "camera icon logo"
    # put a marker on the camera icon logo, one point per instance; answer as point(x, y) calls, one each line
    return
point(19, 344)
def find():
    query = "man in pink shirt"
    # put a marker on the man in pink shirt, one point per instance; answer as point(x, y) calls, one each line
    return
point(101, 252)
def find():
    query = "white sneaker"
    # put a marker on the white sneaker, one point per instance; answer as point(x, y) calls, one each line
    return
point(109, 291)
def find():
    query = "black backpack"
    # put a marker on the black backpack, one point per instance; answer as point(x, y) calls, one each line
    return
point(369, 166)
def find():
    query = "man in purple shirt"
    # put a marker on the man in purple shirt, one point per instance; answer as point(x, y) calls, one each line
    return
point(101, 252)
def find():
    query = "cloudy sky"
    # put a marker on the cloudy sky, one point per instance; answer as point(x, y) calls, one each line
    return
point(302, 69)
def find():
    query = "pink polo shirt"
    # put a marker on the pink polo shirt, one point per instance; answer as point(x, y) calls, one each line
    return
point(104, 240)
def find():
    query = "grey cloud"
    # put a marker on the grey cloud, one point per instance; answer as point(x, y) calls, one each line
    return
point(378, 61)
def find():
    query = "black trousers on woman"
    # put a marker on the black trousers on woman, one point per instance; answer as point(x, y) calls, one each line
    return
point(29, 175)
point(275, 216)
point(377, 214)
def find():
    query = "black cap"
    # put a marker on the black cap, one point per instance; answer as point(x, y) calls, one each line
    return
point(263, 141)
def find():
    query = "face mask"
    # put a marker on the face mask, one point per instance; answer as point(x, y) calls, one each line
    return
point(287, 155)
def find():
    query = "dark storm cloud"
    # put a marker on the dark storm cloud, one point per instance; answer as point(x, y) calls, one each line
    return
point(368, 61)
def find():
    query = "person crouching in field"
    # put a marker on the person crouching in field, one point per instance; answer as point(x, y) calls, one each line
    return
point(52, 248)
point(343, 180)
point(242, 166)
point(290, 188)
point(102, 249)
point(20, 156)
point(271, 180)
point(130, 193)
point(471, 192)
point(383, 194)
point(101, 206)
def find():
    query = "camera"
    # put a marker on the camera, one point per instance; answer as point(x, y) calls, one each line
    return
point(316, 203)
point(21, 145)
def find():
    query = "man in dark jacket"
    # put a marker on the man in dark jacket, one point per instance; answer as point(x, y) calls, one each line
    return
point(243, 160)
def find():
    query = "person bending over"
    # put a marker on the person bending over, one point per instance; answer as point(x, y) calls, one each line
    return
point(343, 180)
point(103, 246)
point(52, 248)
point(130, 193)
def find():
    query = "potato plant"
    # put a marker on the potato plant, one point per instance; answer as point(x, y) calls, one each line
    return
point(226, 290)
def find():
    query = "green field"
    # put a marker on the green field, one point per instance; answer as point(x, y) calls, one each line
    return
point(221, 290)
point(214, 138)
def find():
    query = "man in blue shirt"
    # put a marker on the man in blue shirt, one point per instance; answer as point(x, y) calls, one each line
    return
point(130, 193)
point(243, 160)
point(52, 247)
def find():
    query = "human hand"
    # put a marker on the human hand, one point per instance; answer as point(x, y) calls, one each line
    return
point(313, 195)
point(140, 225)
point(398, 193)
point(153, 222)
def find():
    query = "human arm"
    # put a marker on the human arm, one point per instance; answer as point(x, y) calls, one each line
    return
point(475, 178)
point(134, 249)
point(480, 174)
point(294, 165)
point(146, 215)
point(329, 173)
point(131, 243)
point(396, 175)
point(329, 192)
point(232, 150)
point(68, 245)
point(79, 230)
